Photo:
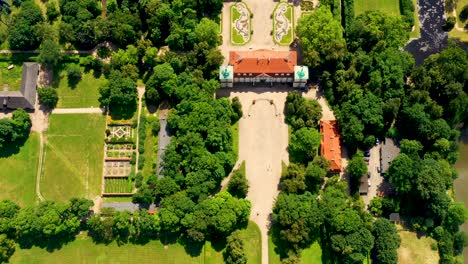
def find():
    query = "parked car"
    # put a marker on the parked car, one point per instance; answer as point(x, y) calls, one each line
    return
point(377, 141)
point(378, 169)
point(368, 174)
point(368, 183)
point(366, 154)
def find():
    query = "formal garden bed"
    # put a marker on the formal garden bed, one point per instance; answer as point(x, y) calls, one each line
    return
point(241, 24)
point(123, 151)
point(118, 185)
point(283, 25)
point(120, 158)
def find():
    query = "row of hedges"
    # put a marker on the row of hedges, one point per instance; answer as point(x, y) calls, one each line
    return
point(348, 13)
point(407, 11)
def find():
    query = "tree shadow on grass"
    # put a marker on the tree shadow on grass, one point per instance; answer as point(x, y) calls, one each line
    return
point(281, 247)
point(12, 148)
point(50, 244)
point(123, 112)
point(191, 247)
point(73, 82)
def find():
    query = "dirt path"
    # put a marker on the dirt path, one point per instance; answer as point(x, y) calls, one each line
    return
point(263, 142)
point(39, 167)
point(141, 92)
point(39, 120)
point(90, 110)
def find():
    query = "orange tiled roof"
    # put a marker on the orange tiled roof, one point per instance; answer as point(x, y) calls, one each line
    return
point(263, 61)
point(330, 147)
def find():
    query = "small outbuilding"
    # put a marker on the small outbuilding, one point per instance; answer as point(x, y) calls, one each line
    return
point(26, 97)
point(395, 218)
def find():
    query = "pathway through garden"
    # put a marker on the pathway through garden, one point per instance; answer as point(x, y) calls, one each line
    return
point(141, 92)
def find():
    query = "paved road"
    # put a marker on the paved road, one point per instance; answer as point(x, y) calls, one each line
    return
point(127, 206)
point(263, 141)
point(164, 137)
point(376, 178)
point(90, 110)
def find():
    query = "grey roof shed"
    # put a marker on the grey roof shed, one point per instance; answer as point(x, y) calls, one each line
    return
point(26, 98)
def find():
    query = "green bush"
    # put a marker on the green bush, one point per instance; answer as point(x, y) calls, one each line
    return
point(138, 180)
point(407, 11)
point(449, 24)
point(103, 52)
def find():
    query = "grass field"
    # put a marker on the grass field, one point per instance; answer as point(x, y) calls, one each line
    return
point(416, 250)
point(118, 185)
point(12, 77)
point(460, 5)
point(416, 33)
point(83, 250)
point(387, 6)
point(73, 156)
point(286, 39)
point(18, 173)
point(85, 94)
point(236, 38)
point(311, 255)
point(463, 36)
point(235, 138)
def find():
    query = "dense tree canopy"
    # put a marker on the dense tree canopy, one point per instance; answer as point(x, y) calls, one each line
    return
point(387, 241)
point(118, 94)
point(304, 145)
point(321, 38)
point(15, 129)
point(24, 33)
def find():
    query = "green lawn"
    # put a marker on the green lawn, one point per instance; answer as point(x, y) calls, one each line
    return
point(236, 38)
point(311, 255)
point(463, 36)
point(235, 138)
point(85, 94)
point(416, 32)
point(252, 246)
point(460, 5)
point(83, 250)
point(416, 250)
point(387, 6)
point(73, 156)
point(18, 173)
point(286, 39)
point(12, 77)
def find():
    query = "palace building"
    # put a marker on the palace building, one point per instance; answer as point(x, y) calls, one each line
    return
point(263, 66)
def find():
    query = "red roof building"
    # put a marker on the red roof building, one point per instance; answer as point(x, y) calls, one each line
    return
point(263, 62)
point(330, 147)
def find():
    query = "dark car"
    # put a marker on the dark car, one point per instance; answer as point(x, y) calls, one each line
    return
point(366, 154)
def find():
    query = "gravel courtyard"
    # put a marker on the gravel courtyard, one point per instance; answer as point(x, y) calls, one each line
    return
point(263, 142)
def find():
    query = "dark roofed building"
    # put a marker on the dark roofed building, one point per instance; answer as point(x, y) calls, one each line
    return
point(26, 98)
point(388, 152)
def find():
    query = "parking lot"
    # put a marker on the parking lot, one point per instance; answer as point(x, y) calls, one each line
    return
point(375, 178)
